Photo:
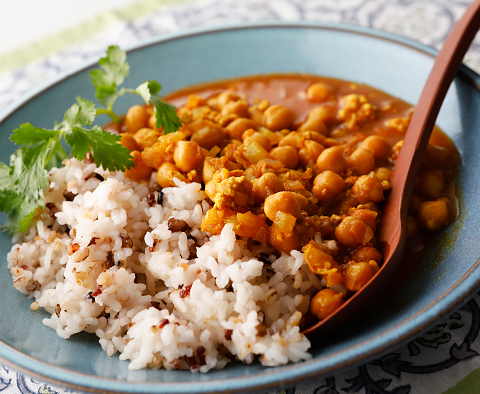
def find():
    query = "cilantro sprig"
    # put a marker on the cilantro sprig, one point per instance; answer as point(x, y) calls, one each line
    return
point(108, 80)
point(24, 180)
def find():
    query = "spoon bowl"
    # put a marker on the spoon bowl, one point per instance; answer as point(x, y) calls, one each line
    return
point(392, 232)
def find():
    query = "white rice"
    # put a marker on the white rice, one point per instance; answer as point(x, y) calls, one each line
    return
point(160, 298)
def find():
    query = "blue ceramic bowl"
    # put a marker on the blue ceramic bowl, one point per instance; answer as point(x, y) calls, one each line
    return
point(446, 278)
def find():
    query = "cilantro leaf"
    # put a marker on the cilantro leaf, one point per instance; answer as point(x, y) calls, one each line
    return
point(107, 95)
point(166, 116)
point(6, 180)
point(147, 89)
point(81, 113)
point(115, 70)
point(10, 201)
point(22, 192)
point(30, 135)
point(105, 147)
point(28, 210)
point(115, 65)
point(12, 204)
point(32, 179)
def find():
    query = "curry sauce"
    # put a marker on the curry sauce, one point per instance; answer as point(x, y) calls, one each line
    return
point(296, 162)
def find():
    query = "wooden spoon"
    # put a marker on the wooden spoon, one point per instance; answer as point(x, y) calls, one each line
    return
point(392, 232)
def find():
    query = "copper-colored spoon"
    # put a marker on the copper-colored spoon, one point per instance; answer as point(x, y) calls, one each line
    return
point(392, 232)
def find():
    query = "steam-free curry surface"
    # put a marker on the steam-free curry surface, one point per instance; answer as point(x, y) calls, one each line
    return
point(296, 162)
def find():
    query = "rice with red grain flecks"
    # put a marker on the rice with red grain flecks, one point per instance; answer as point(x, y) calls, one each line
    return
point(103, 258)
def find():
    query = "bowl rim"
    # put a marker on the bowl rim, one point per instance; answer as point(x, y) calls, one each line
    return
point(269, 378)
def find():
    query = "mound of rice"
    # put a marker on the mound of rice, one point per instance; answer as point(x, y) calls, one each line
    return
point(130, 264)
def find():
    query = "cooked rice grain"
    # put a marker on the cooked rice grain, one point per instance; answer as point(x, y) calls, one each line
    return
point(110, 264)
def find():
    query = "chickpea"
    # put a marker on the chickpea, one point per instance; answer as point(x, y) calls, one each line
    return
point(331, 159)
point(208, 137)
point(285, 154)
point(441, 157)
point(357, 275)
point(325, 113)
point(314, 123)
point(368, 188)
point(383, 174)
point(146, 137)
point(285, 242)
point(325, 302)
point(187, 155)
point(319, 92)
point(452, 211)
point(287, 202)
point(128, 141)
point(327, 185)
point(239, 126)
point(339, 133)
point(239, 108)
point(361, 161)
point(430, 183)
point(309, 152)
point(413, 228)
point(258, 137)
point(414, 204)
point(166, 173)
point(378, 145)
point(152, 122)
point(367, 216)
point(140, 171)
point(211, 165)
point(320, 138)
point(292, 139)
point(136, 118)
point(432, 215)
point(366, 253)
point(265, 186)
point(353, 232)
point(278, 117)
point(226, 97)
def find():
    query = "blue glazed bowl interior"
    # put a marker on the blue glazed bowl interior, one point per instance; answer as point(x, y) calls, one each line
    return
point(448, 275)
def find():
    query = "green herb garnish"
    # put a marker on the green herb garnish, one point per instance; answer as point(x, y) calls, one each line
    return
point(107, 82)
point(23, 181)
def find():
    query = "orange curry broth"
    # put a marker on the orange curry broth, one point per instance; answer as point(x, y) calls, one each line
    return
point(351, 112)
point(289, 90)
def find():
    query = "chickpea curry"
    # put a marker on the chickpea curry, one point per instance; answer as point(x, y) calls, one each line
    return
point(296, 162)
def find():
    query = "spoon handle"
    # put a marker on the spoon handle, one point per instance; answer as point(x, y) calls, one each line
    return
point(423, 120)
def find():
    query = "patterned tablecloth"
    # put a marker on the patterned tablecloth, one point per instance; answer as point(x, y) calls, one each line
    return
point(446, 359)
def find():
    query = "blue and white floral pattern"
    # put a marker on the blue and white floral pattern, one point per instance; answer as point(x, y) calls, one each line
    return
point(431, 362)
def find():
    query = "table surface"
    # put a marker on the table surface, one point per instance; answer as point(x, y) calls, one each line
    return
point(57, 34)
